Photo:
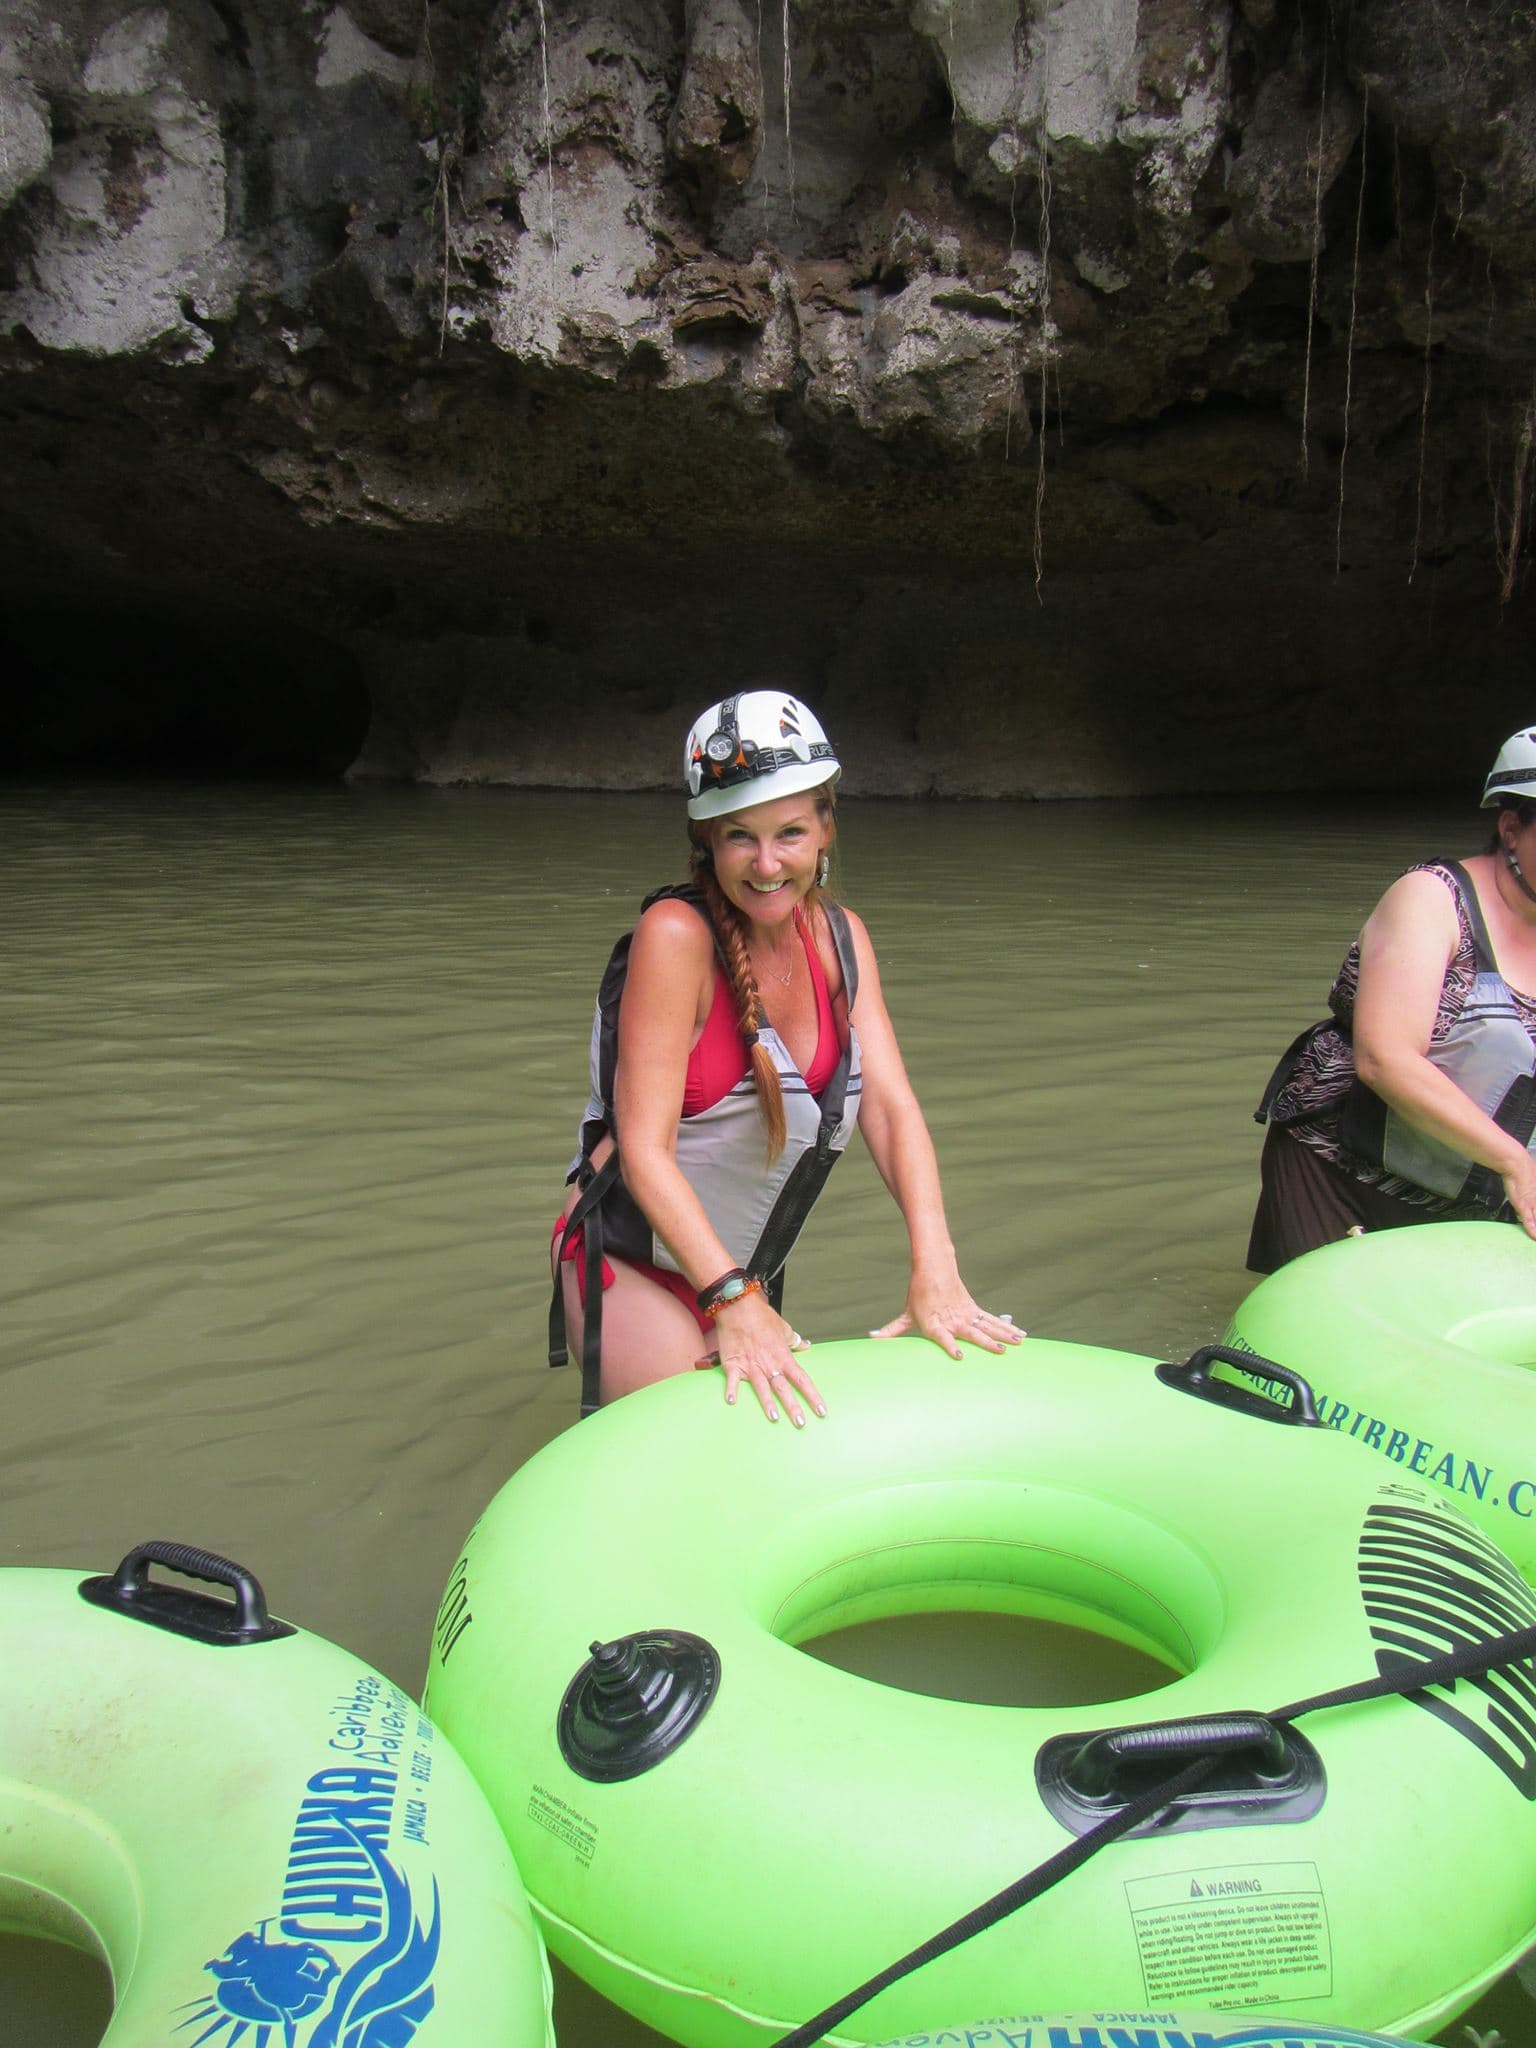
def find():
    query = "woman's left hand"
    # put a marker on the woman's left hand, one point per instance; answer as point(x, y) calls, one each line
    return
point(949, 1318)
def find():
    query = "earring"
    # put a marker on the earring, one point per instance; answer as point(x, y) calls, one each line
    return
point(825, 870)
point(1512, 863)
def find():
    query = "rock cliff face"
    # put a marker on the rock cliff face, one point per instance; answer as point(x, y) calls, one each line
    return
point(1077, 396)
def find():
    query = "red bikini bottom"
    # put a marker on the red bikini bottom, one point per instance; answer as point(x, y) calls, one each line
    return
point(676, 1284)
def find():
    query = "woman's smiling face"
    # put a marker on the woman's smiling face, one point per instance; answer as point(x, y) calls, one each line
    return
point(767, 856)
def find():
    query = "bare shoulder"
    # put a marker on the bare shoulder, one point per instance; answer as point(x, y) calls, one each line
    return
point(675, 931)
point(671, 974)
point(1417, 914)
point(1421, 892)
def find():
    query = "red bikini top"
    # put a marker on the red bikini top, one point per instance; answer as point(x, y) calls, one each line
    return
point(719, 1059)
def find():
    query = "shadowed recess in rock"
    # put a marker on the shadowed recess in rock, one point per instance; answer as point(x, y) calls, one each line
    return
point(121, 692)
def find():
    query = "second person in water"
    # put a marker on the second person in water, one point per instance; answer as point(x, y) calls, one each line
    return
point(1416, 1099)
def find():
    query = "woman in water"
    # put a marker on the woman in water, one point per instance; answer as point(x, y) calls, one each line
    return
point(1416, 1099)
point(749, 1038)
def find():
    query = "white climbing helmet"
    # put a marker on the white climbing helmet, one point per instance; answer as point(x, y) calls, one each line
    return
point(1514, 772)
point(752, 749)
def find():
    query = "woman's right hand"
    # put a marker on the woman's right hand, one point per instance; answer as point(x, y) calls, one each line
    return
point(1520, 1189)
point(758, 1348)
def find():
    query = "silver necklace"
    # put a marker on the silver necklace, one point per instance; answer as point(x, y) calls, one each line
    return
point(783, 979)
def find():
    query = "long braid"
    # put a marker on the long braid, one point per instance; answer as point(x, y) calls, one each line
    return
point(731, 938)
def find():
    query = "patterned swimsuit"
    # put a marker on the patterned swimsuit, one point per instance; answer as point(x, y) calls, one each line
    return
point(1309, 1104)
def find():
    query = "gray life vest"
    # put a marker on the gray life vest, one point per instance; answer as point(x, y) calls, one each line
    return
point(1488, 1053)
point(757, 1207)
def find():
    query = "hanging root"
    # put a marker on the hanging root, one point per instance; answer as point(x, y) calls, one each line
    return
point(1015, 333)
point(549, 137)
point(763, 158)
point(1349, 351)
point(1509, 538)
point(1045, 333)
point(789, 141)
point(450, 159)
point(449, 152)
point(1429, 338)
point(1317, 247)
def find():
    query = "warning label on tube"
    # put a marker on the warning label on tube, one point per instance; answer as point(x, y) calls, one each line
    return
point(1232, 1935)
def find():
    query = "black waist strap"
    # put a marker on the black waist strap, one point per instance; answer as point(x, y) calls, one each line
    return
point(1285, 1067)
point(585, 1215)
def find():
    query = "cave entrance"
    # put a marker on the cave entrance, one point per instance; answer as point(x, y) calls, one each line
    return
point(141, 692)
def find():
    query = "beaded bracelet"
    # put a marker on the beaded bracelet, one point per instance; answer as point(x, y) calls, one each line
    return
point(727, 1284)
point(712, 1310)
point(735, 1285)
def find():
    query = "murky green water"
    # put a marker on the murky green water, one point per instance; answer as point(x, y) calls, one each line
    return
point(290, 1078)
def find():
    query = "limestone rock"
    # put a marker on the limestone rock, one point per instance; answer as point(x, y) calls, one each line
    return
point(717, 121)
point(1037, 367)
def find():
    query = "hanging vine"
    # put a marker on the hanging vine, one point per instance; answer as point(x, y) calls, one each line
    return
point(1349, 348)
point(1044, 173)
point(1509, 528)
point(1429, 342)
point(1317, 248)
point(1015, 332)
point(448, 140)
point(449, 161)
point(789, 140)
point(763, 158)
point(549, 137)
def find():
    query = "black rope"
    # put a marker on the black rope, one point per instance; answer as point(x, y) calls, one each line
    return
point(1469, 1662)
point(1007, 1901)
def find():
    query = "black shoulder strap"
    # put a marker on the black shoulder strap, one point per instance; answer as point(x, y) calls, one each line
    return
point(842, 940)
point(1482, 945)
point(677, 892)
point(609, 992)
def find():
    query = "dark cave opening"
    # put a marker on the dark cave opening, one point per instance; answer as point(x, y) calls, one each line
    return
point(124, 691)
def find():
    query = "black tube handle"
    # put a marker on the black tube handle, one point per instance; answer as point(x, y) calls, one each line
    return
point(131, 1579)
point(131, 1591)
point(1253, 1771)
point(1194, 1376)
point(1094, 1771)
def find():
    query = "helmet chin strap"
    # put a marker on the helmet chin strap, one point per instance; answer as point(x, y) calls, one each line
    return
point(1521, 883)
